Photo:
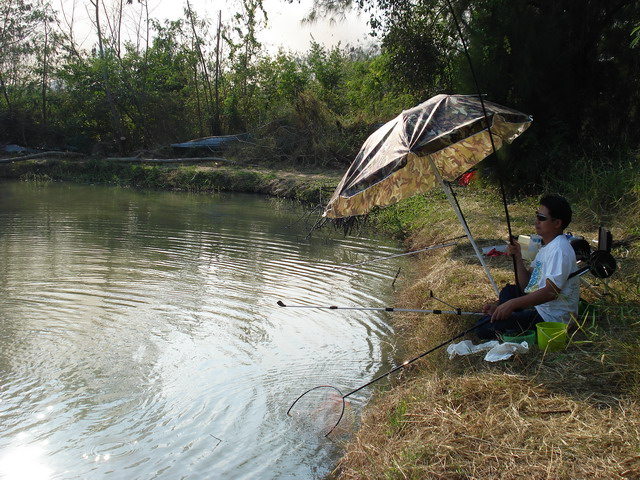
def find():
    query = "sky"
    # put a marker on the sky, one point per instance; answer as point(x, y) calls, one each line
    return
point(285, 28)
point(285, 19)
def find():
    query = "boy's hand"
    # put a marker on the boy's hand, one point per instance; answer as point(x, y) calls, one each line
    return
point(503, 311)
point(514, 249)
point(489, 308)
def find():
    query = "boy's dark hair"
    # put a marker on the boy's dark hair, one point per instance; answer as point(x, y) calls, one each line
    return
point(558, 208)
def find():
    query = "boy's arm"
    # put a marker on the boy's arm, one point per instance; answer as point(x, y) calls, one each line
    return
point(543, 295)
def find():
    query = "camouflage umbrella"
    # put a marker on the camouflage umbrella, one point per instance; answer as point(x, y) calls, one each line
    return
point(442, 137)
point(430, 144)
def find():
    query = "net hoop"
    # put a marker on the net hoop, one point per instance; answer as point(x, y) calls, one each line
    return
point(342, 397)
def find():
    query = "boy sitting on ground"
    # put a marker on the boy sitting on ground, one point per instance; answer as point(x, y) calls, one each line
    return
point(550, 295)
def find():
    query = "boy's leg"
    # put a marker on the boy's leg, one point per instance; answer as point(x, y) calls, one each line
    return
point(520, 320)
point(509, 292)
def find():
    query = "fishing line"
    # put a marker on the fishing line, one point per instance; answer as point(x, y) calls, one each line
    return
point(335, 405)
point(493, 146)
point(446, 243)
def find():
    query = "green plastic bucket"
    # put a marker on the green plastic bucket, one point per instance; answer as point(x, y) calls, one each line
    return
point(552, 336)
point(528, 336)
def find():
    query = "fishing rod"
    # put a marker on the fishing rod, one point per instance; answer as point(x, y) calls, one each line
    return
point(408, 362)
point(383, 309)
point(432, 247)
point(456, 311)
point(486, 117)
point(380, 377)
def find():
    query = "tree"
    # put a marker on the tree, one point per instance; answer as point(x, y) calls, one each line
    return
point(328, 68)
point(373, 90)
point(244, 55)
point(198, 45)
point(281, 79)
point(20, 39)
point(107, 59)
point(570, 64)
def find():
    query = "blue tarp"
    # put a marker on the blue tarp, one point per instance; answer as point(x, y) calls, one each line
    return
point(217, 143)
point(16, 149)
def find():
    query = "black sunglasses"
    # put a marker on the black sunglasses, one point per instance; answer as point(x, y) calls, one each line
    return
point(540, 217)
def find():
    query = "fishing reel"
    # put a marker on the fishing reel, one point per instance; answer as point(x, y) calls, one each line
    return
point(600, 263)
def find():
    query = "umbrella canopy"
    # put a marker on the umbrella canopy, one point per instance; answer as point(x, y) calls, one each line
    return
point(447, 132)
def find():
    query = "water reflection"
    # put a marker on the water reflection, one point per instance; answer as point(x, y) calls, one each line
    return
point(141, 336)
point(25, 461)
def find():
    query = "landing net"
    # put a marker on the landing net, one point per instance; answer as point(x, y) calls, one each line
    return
point(321, 409)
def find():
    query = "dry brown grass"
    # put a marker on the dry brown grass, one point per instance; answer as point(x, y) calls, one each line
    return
point(565, 415)
point(492, 426)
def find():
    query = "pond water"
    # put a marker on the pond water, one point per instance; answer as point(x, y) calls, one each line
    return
point(140, 336)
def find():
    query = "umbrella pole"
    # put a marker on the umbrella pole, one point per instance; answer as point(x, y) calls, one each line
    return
point(456, 209)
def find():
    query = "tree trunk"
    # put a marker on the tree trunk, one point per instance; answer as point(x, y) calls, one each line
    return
point(198, 103)
point(45, 59)
point(205, 71)
point(116, 122)
point(217, 79)
point(5, 94)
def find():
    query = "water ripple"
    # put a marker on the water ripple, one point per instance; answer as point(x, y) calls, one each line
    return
point(142, 339)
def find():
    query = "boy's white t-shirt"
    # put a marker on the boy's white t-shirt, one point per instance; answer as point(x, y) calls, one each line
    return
point(556, 261)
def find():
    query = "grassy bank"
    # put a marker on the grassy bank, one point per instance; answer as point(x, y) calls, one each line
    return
point(309, 187)
point(562, 415)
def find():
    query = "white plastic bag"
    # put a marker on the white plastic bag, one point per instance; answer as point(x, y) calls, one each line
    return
point(505, 351)
point(496, 351)
point(466, 347)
